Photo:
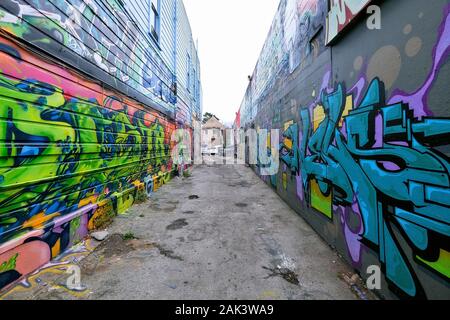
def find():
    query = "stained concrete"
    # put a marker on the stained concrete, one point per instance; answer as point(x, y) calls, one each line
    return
point(219, 234)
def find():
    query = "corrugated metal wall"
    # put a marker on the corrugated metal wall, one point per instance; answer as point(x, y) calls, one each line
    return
point(87, 110)
point(188, 69)
point(92, 35)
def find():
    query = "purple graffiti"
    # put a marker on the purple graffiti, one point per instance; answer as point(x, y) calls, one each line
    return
point(358, 90)
point(352, 234)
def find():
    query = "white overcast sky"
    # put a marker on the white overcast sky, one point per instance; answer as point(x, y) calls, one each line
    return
point(230, 34)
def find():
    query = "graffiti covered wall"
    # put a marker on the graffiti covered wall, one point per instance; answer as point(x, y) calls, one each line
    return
point(88, 105)
point(72, 155)
point(98, 37)
point(364, 153)
point(294, 39)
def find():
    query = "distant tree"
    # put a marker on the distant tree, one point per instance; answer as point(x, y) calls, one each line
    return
point(208, 116)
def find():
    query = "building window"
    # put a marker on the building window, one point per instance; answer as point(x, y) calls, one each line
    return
point(154, 19)
point(197, 94)
point(188, 73)
point(194, 84)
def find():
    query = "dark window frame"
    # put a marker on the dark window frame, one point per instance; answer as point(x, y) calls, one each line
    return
point(155, 20)
point(188, 85)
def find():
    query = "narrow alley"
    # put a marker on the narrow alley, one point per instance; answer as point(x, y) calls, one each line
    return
point(220, 233)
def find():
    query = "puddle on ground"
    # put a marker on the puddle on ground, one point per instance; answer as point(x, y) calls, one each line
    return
point(168, 253)
point(243, 184)
point(165, 207)
point(357, 285)
point(241, 205)
point(177, 224)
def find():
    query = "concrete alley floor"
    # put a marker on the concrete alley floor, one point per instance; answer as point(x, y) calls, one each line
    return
point(219, 234)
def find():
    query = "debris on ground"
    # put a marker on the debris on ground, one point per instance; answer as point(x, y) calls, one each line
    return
point(287, 274)
point(100, 235)
point(357, 286)
point(241, 205)
point(349, 278)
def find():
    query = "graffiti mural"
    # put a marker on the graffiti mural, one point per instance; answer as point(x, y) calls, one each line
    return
point(72, 155)
point(376, 162)
point(365, 160)
point(101, 32)
point(380, 163)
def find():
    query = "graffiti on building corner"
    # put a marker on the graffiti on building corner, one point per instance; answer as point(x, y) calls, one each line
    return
point(341, 13)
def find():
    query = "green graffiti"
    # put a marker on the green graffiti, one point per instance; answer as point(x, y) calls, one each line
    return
point(442, 265)
point(10, 264)
point(74, 226)
point(59, 151)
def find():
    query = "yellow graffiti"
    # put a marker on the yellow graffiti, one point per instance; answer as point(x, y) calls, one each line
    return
point(56, 249)
point(348, 107)
point(287, 142)
point(86, 201)
point(318, 116)
point(38, 221)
